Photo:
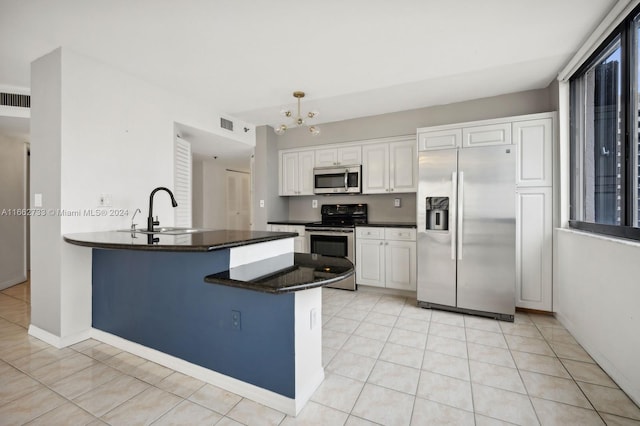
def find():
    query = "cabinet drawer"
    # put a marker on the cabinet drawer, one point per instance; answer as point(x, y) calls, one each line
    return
point(404, 234)
point(367, 233)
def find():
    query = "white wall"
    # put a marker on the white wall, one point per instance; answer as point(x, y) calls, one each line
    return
point(95, 130)
point(597, 295)
point(13, 227)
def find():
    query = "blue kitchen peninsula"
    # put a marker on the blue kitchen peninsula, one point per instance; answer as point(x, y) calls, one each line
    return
point(238, 309)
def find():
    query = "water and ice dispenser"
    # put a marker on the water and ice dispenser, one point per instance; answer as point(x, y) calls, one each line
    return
point(438, 213)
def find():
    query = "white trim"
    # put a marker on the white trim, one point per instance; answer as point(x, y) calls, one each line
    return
point(357, 142)
point(254, 252)
point(615, 16)
point(621, 241)
point(57, 341)
point(246, 390)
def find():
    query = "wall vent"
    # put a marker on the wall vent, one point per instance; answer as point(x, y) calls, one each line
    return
point(16, 100)
point(226, 124)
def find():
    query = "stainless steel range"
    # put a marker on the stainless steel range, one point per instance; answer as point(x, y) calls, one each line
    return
point(334, 235)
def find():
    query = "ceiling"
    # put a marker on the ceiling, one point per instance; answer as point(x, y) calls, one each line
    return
point(353, 58)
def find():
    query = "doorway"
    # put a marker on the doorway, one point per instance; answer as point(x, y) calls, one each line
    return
point(238, 200)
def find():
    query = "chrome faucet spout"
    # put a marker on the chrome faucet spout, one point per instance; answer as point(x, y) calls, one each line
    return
point(150, 221)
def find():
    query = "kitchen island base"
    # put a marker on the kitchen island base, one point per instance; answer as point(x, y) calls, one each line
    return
point(263, 346)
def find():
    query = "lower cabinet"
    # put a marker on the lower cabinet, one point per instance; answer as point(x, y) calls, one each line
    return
point(299, 242)
point(534, 233)
point(386, 257)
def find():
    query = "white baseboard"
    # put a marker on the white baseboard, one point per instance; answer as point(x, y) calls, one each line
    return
point(57, 341)
point(252, 392)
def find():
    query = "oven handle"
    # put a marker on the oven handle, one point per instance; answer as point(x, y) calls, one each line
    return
point(329, 232)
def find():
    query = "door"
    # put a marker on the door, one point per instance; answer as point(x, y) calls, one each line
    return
point(305, 170)
point(289, 170)
point(436, 248)
point(375, 169)
point(238, 200)
point(400, 259)
point(486, 229)
point(370, 262)
point(402, 166)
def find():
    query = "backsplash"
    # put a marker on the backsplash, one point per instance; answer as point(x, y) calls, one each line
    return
point(380, 206)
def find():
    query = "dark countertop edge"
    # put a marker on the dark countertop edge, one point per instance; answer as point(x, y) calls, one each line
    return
point(388, 225)
point(371, 224)
point(265, 289)
point(178, 248)
point(291, 222)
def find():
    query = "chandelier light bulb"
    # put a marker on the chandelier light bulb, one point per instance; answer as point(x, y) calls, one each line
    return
point(298, 119)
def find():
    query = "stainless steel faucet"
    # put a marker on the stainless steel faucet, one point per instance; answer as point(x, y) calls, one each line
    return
point(150, 221)
point(133, 225)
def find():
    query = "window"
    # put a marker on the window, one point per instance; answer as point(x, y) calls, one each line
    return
point(605, 136)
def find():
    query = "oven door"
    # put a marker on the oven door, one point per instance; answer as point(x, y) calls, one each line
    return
point(339, 243)
point(336, 180)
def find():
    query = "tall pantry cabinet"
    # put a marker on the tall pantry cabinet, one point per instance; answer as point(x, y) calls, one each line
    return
point(533, 135)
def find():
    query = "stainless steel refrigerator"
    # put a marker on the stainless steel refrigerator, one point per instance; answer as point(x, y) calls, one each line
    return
point(466, 230)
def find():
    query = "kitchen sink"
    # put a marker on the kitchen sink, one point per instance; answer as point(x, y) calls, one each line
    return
point(167, 230)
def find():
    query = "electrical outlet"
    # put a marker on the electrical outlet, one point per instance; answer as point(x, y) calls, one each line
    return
point(261, 203)
point(396, 202)
point(314, 204)
point(104, 200)
point(235, 320)
point(37, 200)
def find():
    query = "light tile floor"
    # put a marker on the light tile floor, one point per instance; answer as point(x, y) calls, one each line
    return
point(386, 362)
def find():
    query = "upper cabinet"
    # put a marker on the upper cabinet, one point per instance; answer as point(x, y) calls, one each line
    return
point(345, 156)
point(489, 134)
point(296, 172)
point(535, 158)
point(439, 139)
point(389, 167)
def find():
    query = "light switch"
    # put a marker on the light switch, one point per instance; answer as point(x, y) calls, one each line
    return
point(261, 203)
point(396, 202)
point(314, 204)
point(37, 200)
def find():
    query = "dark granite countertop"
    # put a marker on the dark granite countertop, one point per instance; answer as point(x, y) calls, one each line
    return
point(389, 224)
point(202, 240)
point(290, 222)
point(285, 273)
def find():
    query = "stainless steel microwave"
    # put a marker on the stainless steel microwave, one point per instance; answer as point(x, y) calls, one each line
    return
point(337, 180)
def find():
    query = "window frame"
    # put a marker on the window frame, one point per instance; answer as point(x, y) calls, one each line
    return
point(629, 134)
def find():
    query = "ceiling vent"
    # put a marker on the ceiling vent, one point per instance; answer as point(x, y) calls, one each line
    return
point(15, 100)
point(226, 124)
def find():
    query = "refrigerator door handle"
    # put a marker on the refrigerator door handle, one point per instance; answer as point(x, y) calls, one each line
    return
point(460, 213)
point(454, 191)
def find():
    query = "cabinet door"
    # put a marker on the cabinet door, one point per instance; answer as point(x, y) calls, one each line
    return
point(350, 155)
point(403, 167)
point(305, 170)
point(490, 134)
point(400, 265)
point(375, 169)
point(370, 262)
point(439, 139)
point(326, 157)
point(534, 248)
point(289, 173)
point(300, 245)
point(535, 156)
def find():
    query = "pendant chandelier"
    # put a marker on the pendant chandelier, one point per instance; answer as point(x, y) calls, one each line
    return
point(298, 119)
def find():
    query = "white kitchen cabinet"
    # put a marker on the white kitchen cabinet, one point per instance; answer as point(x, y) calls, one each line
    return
point(439, 139)
point(370, 262)
point(488, 134)
point(299, 242)
point(403, 167)
point(386, 257)
point(389, 167)
point(348, 155)
point(535, 157)
point(296, 172)
point(534, 231)
point(375, 168)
